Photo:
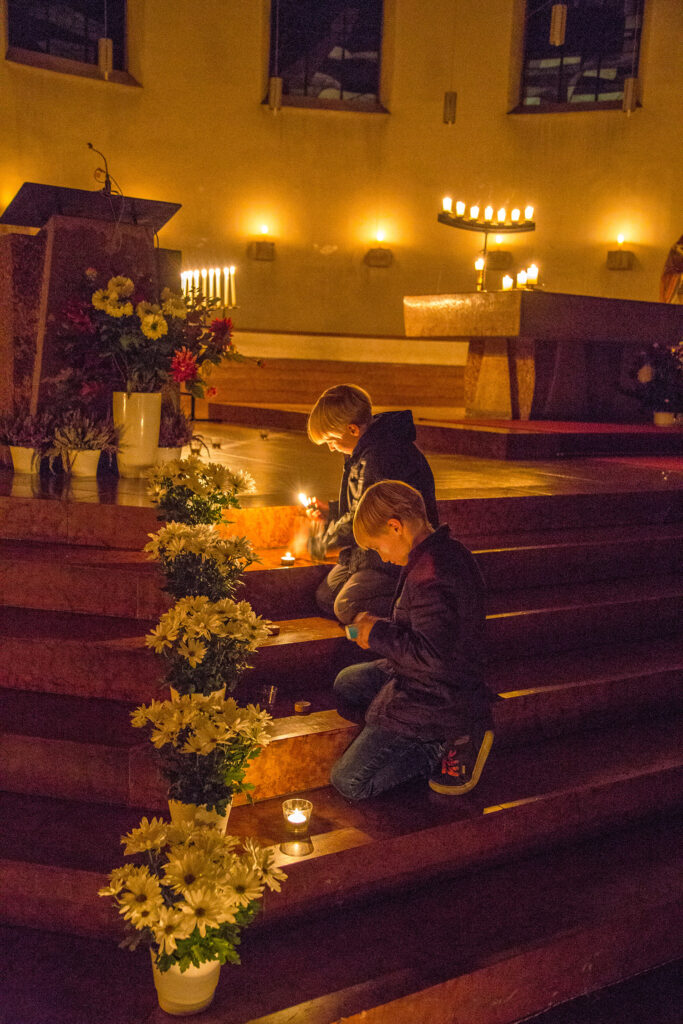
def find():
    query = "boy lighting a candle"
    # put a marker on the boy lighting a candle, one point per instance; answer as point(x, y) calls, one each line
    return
point(424, 703)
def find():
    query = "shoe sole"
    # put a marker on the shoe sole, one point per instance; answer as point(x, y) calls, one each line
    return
point(467, 787)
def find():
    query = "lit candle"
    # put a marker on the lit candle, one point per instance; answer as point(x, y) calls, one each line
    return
point(528, 213)
point(507, 283)
point(210, 282)
point(521, 279)
point(226, 286)
point(304, 499)
point(460, 208)
point(479, 263)
point(501, 215)
point(297, 814)
point(195, 275)
point(183, 282)
point(287, 559)
point(233, 292)
point(474, 212)
point(488, 213)
point(620, 240)
point(447, 204)
point(532, 274)
point(203, 282)
point(217, 278)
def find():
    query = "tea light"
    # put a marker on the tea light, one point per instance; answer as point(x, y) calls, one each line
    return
point(474, 212)
point(514, 216)
point(287, 559)
point(447, 204)
point(302, 707)
point(460, 209)
point(528, 213)
point(521, 279)
point(501, 215)
point(297, 815)
point(507, 283)
point(488, 213)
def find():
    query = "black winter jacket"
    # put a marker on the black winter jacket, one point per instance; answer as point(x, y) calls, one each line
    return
point(433, 644)
point(386, 451)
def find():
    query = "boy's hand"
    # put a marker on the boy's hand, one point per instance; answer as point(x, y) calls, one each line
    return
point(364, 622)
point(317, 509)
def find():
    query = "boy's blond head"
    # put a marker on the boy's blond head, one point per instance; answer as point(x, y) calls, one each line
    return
point(388, 499)
point(336, 409)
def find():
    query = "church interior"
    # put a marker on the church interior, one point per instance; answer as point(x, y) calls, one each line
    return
point(210, 214)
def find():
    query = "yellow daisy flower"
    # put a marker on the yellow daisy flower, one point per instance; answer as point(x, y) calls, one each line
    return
point(153, 326)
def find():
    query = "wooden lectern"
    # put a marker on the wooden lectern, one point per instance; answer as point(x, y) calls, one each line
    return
point(78, 229)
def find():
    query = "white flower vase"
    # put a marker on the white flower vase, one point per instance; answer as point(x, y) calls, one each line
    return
point(664, 418)
point(24, 460)
point(165, 455)
point(198, 814)
point(139, 417)
point(83, 463)
point(184, 993)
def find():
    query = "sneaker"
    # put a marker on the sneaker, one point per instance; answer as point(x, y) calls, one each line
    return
point(462, 764)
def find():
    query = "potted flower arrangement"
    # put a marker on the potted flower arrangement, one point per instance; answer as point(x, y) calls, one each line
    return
point(658, 381)
point(189, 903)
point(80, 440)
point(205, 744)
point(119, 338)
point(206, 643)
point(174, 433)
point(197, 560)
point(191, 491)
point(28, 437)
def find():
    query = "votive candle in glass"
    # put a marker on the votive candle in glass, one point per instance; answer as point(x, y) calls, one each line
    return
point(460, 208)
point(297, 815)
point(507, 283)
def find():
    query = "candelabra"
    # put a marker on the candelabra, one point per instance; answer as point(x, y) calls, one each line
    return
point(489, 225)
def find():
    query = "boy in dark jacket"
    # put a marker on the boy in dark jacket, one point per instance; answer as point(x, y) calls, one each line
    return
point(376, 448)
point(425, 705)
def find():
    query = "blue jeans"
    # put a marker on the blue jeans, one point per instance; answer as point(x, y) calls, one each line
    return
point(377, 759)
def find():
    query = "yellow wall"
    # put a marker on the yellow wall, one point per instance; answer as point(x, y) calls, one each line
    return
point(197, 133)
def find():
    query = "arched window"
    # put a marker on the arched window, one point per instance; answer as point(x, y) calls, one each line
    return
point(327, 52)
point(587, 71)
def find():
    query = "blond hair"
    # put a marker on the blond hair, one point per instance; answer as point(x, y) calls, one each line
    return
point(336, 409)
point(388, 499)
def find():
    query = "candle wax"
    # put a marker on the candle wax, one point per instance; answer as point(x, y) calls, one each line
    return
point(296, 817)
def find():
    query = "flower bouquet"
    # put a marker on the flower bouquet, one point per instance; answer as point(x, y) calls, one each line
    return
point(189, 902)
point(658, 378)
point(191, 491)
point(196, 560)
point(207, 643)
point(205, 744)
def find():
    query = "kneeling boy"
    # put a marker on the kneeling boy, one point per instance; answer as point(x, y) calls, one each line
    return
point(376, 448)
point(425, 706)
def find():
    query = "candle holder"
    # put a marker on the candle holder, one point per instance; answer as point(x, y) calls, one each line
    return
point(297, 815)
point(486, 227)
point(287, 559)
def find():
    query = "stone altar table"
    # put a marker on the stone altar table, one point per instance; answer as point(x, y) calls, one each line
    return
point(545, 355)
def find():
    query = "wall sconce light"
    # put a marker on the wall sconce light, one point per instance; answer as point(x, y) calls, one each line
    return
point(105, 57)
point(261, 249)
point(630, 100)
point(620, 259)
point(558, 24)
point(378, 257)
point(499, 259)
point(450, 100)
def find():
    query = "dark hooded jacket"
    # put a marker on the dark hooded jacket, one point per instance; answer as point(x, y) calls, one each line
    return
point(386, 451)
point(432, 647)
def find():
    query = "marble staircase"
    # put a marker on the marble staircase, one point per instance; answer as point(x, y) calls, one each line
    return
point(584, 613)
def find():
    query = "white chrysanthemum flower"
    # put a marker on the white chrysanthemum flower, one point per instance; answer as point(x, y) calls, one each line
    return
point(188, 869)
point(170, 926)
point(120, 286)
point(141, 896)
point(206, 908)
point(245, 883)
point(262, 859)
point(150, 835)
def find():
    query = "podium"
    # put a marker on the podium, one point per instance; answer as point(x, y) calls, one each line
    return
point(78, 229)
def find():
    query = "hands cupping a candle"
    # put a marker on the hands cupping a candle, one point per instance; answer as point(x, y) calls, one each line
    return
point(363, 623)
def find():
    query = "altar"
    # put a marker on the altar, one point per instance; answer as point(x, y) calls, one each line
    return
point(545, 355)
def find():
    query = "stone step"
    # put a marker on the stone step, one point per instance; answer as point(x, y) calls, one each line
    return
point(53, 853)
point(123, 583)
point(127, 526)
point(527, 936)
point(84, 749)
point(95, 656)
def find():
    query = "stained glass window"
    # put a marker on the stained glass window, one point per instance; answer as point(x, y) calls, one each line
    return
point(69, 29)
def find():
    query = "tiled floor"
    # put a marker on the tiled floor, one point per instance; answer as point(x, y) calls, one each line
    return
point(283, 463)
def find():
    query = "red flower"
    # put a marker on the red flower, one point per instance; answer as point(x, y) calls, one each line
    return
point(78, 319)
point(184, 366)
point(222, 331)
point(211, 392)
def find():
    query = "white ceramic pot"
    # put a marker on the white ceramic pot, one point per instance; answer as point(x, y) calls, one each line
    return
point(165, 455)
point(664, 419)
point(83, 463)
point(182, 994)
point(139, 416)
point(24, 460)
point(198, 814)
